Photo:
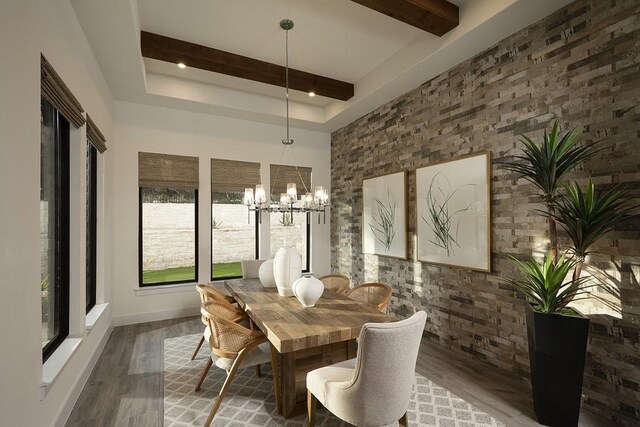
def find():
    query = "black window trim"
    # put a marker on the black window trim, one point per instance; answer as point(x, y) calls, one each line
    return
point(140, 255)
point(61, 256)
point(91, 276)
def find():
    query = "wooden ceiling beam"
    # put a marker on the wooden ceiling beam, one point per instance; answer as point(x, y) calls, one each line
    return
point(434, 16)
point(167, 49)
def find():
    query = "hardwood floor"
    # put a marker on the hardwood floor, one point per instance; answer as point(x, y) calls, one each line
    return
point(126, 386)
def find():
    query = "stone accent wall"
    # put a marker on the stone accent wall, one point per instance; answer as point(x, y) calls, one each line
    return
point(582, 65)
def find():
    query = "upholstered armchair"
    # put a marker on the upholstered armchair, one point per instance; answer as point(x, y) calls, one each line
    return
point(373, 389)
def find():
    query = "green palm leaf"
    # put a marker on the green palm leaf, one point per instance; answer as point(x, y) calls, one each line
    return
point(587, 215)
point(545, 166)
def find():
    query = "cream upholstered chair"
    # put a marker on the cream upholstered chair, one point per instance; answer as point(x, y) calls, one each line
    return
point(375, 294)
point(210, 293)
point(232, 347)
point(336, 282)
point(250, 268)
point(373, 389)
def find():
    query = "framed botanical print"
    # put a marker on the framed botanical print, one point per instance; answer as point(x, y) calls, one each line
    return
point(384, 215)
point(454, 212)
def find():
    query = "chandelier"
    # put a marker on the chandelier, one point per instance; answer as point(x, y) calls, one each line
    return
point(289, 203)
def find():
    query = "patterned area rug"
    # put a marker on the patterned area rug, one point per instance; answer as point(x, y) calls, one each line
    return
point(250, 400)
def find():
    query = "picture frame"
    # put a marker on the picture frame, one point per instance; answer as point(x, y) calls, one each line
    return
point(384, 215)
point(453, 212)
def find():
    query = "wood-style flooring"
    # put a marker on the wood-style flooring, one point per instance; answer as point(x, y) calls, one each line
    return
point(126, 386)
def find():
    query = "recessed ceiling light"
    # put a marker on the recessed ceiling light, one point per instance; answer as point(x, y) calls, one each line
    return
point(181, 65)
point(312, 94)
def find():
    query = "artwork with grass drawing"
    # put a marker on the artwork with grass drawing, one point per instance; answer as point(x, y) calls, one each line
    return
point(384, 215)
point(453, 212)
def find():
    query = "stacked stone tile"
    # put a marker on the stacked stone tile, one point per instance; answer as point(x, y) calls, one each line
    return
point(581, 64)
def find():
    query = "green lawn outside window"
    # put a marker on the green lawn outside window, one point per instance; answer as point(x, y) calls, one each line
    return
point(225, 269)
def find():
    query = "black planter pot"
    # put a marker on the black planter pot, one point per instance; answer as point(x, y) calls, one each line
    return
point(557, 350)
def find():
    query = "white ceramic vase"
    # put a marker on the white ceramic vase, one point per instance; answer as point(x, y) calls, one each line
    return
point(308, 290)
point(265, 273)
point(287, 267)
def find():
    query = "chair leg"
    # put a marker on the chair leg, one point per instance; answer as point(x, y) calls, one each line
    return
point(403, 421)
point(230, 375)
point(195, 353)
point(311, 408)
point(258, 372)
point(204, 373)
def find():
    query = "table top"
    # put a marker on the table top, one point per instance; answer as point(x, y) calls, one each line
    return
point(290, 327)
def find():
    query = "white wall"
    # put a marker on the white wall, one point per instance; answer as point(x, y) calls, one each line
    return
point(27, 28)
point(162, 130)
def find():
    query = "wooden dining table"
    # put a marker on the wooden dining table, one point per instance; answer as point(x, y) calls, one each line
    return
point(303, 339)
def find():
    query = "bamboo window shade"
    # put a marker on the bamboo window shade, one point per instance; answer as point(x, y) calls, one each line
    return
point(281, 175)
point(59, 95)
point(167, 170)
point(95, 137)
point(233, 176)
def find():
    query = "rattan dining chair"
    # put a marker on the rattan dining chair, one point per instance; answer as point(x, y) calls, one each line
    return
point(209, 293)
point(336, 282)
point(233, 346)
point(375, 387)
point(375, 294)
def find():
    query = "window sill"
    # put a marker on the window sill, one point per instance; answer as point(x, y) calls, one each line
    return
point(56, 362)
point(94, 315)
point(164, 289)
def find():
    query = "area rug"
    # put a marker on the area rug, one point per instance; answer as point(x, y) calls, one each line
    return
point(250, 400)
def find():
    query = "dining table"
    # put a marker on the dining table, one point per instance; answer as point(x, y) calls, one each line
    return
point(302, 338)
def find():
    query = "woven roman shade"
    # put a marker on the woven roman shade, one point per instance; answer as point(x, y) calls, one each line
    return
point(95, 137)
point(232, 176)
point(58, 94)
point(166, 170)
point(281, 175)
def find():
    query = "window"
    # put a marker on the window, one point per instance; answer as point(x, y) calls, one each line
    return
point(92, 198)
point(54, 227)
point(168, 240)
point(234, 232)
point(285, 232)
point(95, 144)
point(288, 230)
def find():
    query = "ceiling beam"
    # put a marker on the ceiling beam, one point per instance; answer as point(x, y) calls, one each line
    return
point(434, 16)
point(163, 48)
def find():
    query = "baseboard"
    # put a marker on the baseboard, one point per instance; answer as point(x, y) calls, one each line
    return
point(72, 398)
point(152, 316)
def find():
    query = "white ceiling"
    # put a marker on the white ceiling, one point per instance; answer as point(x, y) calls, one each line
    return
point(334, 38)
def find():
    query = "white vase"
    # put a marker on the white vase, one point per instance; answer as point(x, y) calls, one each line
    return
point(265, 273)
point(308, 290)
point(287, 267)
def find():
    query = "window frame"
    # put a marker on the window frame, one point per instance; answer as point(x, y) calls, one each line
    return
point(308, 269)
point(140, 244)
point(62, 237)
point(92, 226)
point(308, 232)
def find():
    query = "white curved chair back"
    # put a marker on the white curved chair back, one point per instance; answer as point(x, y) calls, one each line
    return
point(385, 368)
point(250, 268)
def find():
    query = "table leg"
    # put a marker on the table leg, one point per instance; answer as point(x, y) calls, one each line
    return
point(276, 377)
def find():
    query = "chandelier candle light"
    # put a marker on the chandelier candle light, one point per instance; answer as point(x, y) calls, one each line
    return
point(289, 202)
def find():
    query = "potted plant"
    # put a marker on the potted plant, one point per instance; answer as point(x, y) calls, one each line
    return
point(557, 335)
